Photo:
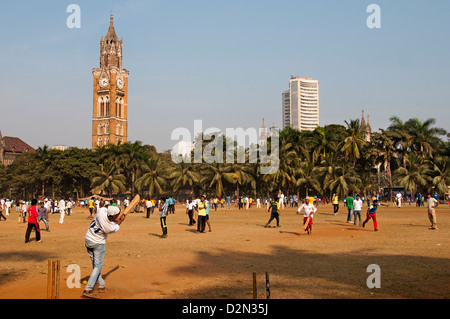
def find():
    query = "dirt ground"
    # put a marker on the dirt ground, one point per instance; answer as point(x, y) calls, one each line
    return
point(331, 263)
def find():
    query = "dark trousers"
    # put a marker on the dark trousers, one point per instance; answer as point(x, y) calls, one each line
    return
point(336, 208)
point(163, 225)
point(191, 217)
point(201, 224)
point(29, 229)
point(274, 216)
point(148, 212)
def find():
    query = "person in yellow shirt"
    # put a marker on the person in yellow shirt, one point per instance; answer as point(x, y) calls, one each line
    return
point(216, 202)
point(91, 205)
point(201, 217)
point(335, 203)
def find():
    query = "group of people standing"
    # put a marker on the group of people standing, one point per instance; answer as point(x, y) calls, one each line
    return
point(201, 206)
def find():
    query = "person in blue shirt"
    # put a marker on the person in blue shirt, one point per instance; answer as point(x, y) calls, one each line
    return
point(207, 215)
point(171, 205)
point(372, 213)
point(228, 202)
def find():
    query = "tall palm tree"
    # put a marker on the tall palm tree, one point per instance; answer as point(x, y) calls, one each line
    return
point(354, 141)
point(413, 177)
point(131, 156)
point(282, 175)
point(385, 146)
point(304, 170)
point(327, 170)
point(183, 174)
point(217, 174)
point(346, 179)
point(152, 175)
point(440, 173)
point(108, 179)
point(242, 173)
point(425, 136)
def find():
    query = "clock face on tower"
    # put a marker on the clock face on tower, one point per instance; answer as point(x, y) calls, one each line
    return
point(120, 83)
point(104, 82)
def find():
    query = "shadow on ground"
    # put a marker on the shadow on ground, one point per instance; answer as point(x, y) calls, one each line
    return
point(315, 275)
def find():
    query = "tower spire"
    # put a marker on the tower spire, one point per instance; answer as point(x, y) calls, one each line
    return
point(111, 35)
point(363, 121)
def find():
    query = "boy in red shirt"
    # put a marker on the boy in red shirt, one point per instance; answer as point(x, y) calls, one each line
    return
point(33, 223)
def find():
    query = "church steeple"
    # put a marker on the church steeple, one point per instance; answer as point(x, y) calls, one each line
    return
point(365, 127)
point(363, 121)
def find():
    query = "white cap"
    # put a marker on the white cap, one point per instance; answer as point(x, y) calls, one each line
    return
point(113, 210)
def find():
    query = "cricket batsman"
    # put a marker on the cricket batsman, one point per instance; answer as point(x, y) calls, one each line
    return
point(106, 222)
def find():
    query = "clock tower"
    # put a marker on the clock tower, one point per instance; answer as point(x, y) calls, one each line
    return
point(110, 103)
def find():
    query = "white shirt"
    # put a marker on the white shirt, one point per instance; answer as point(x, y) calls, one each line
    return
point(431, 203)
point(190, 206)
point(100, 227)
point(149, 204)
point(62, 205)
point(357, 204)
point(309, 209)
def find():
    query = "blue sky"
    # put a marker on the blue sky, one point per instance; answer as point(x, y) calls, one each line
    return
point(224, 62)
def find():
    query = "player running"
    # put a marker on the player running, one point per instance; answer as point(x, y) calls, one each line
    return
point(308, 215)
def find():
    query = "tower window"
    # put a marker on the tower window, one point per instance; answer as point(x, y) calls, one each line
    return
point(107, 108)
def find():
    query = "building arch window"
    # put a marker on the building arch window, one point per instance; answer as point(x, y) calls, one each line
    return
point(119, 108)
point(107, 104)
point(101, 102)
point(103, 106)
point(119, 129)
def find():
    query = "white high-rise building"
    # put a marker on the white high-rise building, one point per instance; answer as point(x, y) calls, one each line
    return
point(303, 104)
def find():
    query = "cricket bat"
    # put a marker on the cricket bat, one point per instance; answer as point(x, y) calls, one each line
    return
point(132, 205)
point(305, 225)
